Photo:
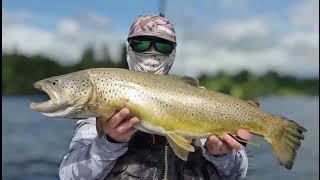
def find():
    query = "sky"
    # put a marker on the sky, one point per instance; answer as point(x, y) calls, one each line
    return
point(212, 35)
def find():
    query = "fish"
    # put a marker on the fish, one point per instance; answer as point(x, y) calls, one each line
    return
point(173, 106)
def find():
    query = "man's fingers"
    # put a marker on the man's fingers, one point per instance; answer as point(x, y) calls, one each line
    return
point(219, 147)
point(232, 142)
point(125, 126)
point(216, 146)
point(127, 135)
point(130, 132)
point(214, 140)
point(244, 134)
point(118, 117)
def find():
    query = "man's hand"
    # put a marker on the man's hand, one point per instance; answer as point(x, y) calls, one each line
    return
point(120, 126)
point(217, 147)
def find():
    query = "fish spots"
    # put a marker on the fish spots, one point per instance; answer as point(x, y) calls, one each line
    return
point(224, 116)
point(115, 93)
point(162, 104)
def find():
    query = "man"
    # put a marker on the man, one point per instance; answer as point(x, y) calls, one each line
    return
point(126, 154)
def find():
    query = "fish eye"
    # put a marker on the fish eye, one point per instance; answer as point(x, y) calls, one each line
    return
point(55, 82)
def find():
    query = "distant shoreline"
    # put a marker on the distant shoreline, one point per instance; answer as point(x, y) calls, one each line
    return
point(19, 72)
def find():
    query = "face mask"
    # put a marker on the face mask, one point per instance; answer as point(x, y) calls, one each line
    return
point(151, 61)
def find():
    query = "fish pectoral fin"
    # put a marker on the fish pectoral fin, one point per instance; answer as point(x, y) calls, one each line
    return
point(243, 141)
point(105, 114)
point(180, 152)
point(180, 141)
point(94, 96)
point(92, 107)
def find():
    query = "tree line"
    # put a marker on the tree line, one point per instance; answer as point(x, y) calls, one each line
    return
point(19, 72)
point(247, 85)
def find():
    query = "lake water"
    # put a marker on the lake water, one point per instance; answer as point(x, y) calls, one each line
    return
point(33, 144)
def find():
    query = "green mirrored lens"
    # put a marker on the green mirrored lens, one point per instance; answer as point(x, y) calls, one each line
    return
point(140, 45)
point(164, 48)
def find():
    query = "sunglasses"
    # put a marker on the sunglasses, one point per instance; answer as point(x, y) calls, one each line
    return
point(140, 45)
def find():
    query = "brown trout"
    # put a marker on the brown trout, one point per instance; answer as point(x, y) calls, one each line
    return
point(169, 105)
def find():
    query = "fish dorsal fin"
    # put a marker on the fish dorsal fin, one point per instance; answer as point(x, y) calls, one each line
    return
point(180, 145)
point(253, 103)
point(93, 101)
point(187, 79)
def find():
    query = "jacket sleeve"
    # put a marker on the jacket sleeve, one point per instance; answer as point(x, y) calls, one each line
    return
point(233, 165)
point(89, 156)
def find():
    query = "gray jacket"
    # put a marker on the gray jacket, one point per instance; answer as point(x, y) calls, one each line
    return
point(91, 157)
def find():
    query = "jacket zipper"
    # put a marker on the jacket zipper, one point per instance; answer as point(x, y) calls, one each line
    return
point(165, 174)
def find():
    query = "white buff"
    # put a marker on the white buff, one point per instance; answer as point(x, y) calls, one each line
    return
point(150, 61)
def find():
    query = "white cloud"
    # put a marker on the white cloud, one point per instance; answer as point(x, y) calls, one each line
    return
point(247, 35)
point(229, 45)
point(94, 20)
point(249, 44)
point(68, 27)
point(64, 44)
point(306, 13)
point(31, 40)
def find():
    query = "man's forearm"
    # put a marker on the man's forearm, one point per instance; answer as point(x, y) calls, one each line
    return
point(89, 156)
point(90, 161)
point(232, 165)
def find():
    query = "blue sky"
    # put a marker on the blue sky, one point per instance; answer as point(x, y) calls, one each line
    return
point(123, 12)
point(212, 35)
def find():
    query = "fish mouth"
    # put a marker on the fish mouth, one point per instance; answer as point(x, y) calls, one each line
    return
point(52, 105)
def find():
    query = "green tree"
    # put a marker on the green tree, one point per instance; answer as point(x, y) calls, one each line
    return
point(87, 60)
point(123, 57)
point(19, 72)
point(242, 76)
point(105, 53)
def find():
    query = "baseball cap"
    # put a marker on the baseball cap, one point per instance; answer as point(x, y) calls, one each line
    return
point(152, 25)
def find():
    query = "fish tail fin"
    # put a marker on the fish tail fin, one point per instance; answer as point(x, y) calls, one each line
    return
point(285, 140)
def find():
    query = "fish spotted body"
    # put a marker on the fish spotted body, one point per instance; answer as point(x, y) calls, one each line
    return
point(169, 105)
